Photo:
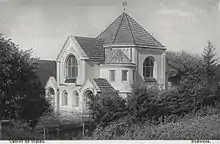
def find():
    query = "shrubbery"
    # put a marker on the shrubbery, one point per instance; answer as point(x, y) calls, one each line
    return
point(151, 113)
point(195, 126)
point(20, 131)
point(21, 93)
point(106, 108)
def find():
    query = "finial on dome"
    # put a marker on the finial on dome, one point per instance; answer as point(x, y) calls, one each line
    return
point(124, 4)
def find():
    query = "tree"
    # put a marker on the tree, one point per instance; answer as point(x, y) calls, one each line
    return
point(210, 92)
point(21, 94)
point(195, 77)
point(106, 107)
point(210, 63)
point(185, 70)
point(217, 73)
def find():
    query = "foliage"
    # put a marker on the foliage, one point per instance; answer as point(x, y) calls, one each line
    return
point(196, 127)
point(59, 128)
point(106, 108)
point(210, 63)
point(217, 73)
point(21, 94)
point(195, 77)
point(184, 67)
point(19, 130)
point(158, 106)
point(152, 113)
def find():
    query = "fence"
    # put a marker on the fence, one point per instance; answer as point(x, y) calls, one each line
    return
point(68, 132)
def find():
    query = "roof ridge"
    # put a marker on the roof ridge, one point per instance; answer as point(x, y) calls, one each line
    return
point(126, 30)
point(83, 36)
point(129, 25)
point(123, 14)
point(108, 26)
point(145, 30)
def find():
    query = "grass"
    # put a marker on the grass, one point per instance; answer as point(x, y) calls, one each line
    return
point(203, 128)
point(207, 127)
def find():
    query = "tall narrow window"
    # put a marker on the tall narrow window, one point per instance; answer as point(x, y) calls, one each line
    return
point(65, 98)
point(88, 99)
point(71, 67)
point(112, 75)
point(77, 99)
point(148, 67)
point(134, 76)
point(124, 75)
point(51, 96)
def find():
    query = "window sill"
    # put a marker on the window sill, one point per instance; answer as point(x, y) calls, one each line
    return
point(150, 79)
point(70, 80)
point(64, 105)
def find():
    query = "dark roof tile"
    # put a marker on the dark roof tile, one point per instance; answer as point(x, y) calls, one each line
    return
point(92, 47)
point(104, 85)
point(45, 70)
point(125, 30)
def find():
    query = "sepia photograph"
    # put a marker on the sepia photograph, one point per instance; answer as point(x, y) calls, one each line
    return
point(109, 70)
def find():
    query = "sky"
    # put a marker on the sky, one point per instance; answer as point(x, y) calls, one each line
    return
point(44, 25)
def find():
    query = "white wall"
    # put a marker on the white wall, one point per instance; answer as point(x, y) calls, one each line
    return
point(127, 52)
point(91, 70)
point(134, 55)
point(159, 70)
point(52, 84)
point(118, 84)
point(86, 68)
point(71, 49)
point(70, 105)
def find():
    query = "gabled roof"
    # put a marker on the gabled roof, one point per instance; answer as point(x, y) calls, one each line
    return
point(104, 85)
point(92, 47)
point(126, 31)
point(116, 56)
point(45, 70)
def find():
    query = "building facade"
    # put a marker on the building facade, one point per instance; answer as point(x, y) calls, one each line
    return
point(124, 53)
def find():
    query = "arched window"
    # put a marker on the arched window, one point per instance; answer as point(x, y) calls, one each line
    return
point(51, 96)
point(75, 99)
point(71, 67)
point(87, 99)
point(65, 98)
point(148, 67)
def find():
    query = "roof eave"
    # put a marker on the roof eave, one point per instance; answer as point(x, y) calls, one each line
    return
point(119, 64)
point(133, 45)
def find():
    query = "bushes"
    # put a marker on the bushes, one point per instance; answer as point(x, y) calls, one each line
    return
point(20, 131)
point(57, 127)
point(207, 127)
point(194, 95)
point(21, 93)
point(107, 108)
point(196, 128)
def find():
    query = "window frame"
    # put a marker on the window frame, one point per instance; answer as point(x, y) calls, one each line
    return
point(123, 76)
point(148, 67)
point(71, 67)
point(64, 98)
point(134, 75)
point(51, 96)
point(112, 79)
point(76, 96)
